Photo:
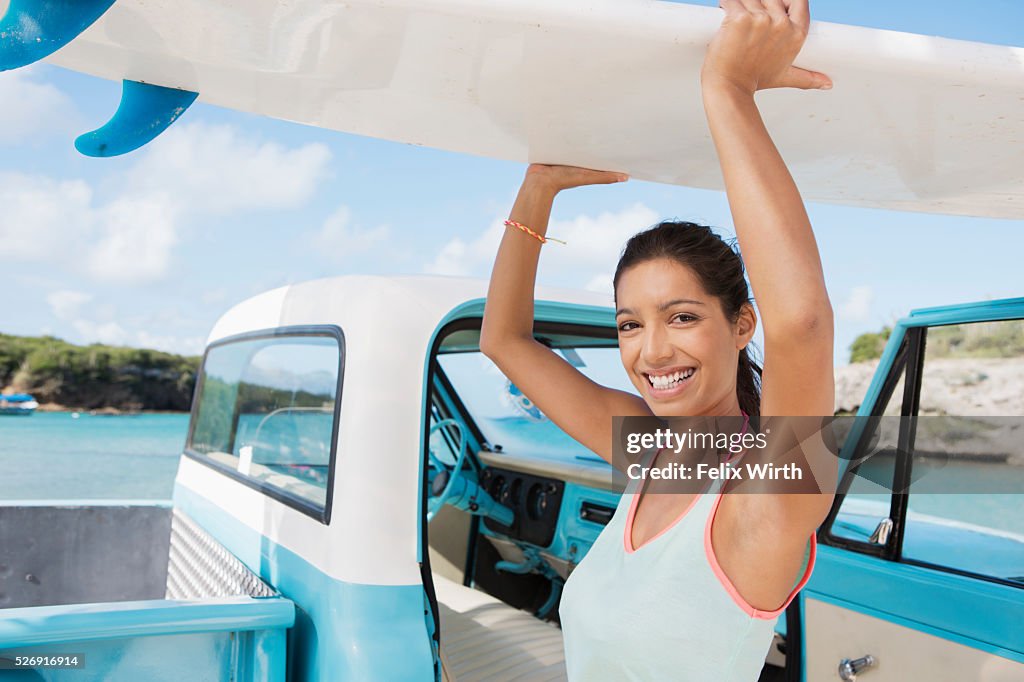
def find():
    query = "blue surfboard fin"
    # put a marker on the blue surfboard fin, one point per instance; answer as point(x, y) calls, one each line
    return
point(145, 112)
point(33, 29)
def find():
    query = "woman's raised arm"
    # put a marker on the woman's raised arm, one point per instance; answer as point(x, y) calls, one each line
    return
point(581, 407)
point(754, 50)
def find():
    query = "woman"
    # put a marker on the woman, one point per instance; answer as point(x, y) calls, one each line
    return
point(689, 586)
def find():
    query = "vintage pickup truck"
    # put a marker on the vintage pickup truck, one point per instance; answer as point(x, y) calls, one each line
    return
point(363, 495)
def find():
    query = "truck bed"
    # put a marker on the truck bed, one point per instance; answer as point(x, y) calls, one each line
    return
point(138, 591)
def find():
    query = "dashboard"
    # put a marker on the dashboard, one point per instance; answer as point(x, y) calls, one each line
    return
point(560, 507)
point(535, 500)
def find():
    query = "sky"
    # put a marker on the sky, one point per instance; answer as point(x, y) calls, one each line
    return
point(149, 249)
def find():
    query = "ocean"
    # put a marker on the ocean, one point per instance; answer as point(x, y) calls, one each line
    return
point(54, 456)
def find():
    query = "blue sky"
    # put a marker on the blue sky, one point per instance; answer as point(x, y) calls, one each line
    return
point(149, 249)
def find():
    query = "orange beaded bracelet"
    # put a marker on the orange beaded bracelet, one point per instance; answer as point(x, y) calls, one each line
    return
point(541, 238)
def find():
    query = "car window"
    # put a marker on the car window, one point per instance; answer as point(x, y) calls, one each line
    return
point(507, 418)
point(966, 504)
point(868, 499)
point(266, 411)
point(445, 441)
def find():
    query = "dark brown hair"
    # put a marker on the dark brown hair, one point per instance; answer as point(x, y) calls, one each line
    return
point(719, 268)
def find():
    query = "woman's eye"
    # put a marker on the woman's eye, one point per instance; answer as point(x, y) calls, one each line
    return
point(627, 326)
point(684, 317)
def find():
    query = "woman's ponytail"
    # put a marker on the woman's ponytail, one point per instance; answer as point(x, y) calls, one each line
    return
point(748, 384)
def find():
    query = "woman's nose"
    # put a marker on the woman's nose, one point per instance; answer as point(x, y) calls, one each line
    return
point(656, 348)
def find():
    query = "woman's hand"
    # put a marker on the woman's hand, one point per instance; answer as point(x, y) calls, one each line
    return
point(755, 47)
point(557, 178)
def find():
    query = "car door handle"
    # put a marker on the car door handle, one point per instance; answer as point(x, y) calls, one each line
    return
point(881, 534)
point(848, 669)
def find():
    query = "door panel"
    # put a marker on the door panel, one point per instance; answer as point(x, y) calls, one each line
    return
point(901, 653)
point(968, 609)
point(938, 595)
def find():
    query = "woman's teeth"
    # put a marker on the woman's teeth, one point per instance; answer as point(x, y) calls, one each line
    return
point(670, 380)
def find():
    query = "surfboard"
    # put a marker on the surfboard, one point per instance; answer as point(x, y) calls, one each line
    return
point(914, 123)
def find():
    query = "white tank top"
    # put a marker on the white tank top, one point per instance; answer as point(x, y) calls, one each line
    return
point(664, 611)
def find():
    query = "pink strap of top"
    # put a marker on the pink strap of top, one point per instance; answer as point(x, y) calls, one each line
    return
point(731, 589)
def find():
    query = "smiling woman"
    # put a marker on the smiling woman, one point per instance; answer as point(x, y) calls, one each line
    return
point(689, 284)
point(698, 578)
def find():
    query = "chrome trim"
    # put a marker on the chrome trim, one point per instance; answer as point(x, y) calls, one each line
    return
point(881, 534)
point(848, 670)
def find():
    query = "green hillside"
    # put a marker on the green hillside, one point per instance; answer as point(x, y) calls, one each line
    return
point(998, 339)
point(96, 376)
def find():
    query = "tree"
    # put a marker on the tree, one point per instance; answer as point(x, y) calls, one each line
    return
point(869, 346)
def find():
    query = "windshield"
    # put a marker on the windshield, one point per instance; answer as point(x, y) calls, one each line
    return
point(509, 421)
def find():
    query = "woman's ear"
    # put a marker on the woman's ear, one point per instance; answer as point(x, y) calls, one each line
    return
point(746, 323)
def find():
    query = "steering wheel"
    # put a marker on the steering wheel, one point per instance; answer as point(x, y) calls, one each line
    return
point(444, 482)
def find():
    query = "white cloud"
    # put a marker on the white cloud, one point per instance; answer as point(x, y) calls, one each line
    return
point(65, 304)
point(454, 258)
point(601, 283)
point(92, 324)
point(215, 169)
point(338, 238)
point(115, 334)
point(100, 323)
point(594, 244)
point(42, 217)
point(110, 333)
point(187, 175)
point(857, 306)
point(58, 223)
point(136, 239)
point(187, 345)
point(30, 107)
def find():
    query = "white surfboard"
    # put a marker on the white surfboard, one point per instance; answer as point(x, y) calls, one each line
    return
point(913, 123)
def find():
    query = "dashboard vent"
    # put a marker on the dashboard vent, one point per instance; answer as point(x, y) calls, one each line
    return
point(596, 513)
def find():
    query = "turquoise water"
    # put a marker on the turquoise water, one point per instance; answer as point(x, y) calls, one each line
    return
point(54, 456)
point(51, 455)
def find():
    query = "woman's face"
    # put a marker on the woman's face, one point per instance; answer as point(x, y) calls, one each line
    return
point(677, 345)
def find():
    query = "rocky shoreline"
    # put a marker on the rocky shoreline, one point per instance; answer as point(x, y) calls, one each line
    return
point(953, 386)
point(988, 387)
point(105, 379)
point(970, 408)
point(107, 411)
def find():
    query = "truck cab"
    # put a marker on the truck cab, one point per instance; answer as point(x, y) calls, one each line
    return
point(351, 445)
point(423, 514)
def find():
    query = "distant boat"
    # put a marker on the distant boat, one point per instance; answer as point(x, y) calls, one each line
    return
point(18, 403)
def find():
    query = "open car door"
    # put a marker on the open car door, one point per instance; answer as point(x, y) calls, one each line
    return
point(927, 583)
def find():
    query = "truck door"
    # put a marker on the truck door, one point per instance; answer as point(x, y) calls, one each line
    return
point(920, 572)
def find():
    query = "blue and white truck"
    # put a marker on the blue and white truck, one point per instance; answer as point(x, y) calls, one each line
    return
point(363, 496)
